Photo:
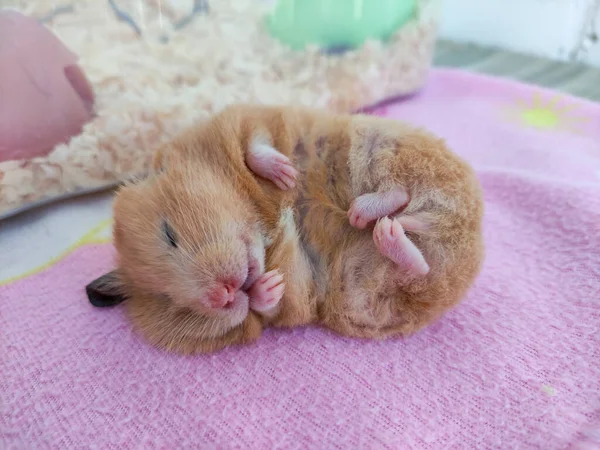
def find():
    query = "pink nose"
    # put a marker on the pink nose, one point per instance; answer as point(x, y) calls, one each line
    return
point(222, 296)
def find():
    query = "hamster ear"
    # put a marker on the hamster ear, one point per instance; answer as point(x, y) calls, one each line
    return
point(106, 290)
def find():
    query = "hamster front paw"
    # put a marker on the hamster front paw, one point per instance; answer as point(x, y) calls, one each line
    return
point(266, 292)
point(268, 163)
point(370, 207)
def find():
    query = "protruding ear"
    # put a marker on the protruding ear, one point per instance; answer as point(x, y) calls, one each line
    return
point(106, 290)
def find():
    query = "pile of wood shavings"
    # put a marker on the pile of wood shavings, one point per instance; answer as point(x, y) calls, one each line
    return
point(152, 82)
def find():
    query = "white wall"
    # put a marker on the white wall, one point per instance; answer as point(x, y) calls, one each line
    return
point(552, 28)
point(592, 56)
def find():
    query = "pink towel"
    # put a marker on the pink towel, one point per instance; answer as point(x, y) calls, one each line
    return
point(516, 366)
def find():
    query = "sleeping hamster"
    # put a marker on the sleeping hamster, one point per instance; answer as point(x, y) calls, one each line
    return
point(271, 216)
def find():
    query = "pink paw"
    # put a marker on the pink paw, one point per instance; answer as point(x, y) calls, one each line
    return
point(370, 207)
point(266, 292)
point(362, 210)
point(268, 163)
point(391, 241)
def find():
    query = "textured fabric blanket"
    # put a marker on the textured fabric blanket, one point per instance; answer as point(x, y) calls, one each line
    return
point(516, 366)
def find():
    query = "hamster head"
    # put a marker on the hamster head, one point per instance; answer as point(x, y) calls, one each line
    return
point(190, 238)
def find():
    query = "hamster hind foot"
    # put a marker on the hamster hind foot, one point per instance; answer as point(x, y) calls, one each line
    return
point(392, 243)
point(369, 207)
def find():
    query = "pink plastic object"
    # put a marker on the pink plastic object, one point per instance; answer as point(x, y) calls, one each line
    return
point(45, 97)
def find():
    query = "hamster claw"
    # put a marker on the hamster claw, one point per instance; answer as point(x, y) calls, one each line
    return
point(393, 243)
point(266, 292)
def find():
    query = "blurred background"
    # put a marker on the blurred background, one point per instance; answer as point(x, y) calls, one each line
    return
point(557, 29)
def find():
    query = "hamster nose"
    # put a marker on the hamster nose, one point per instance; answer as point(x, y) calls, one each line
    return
point(222, 296)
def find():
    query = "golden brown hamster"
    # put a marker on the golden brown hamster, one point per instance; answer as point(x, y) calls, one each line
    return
point(274, 216)
point(193, 241)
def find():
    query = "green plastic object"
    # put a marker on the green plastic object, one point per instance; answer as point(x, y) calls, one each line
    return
point(334, 24)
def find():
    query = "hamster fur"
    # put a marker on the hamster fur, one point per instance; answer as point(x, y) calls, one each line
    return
point(377, 235)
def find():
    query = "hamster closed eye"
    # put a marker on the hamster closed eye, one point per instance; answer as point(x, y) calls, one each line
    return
point(169, 234)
